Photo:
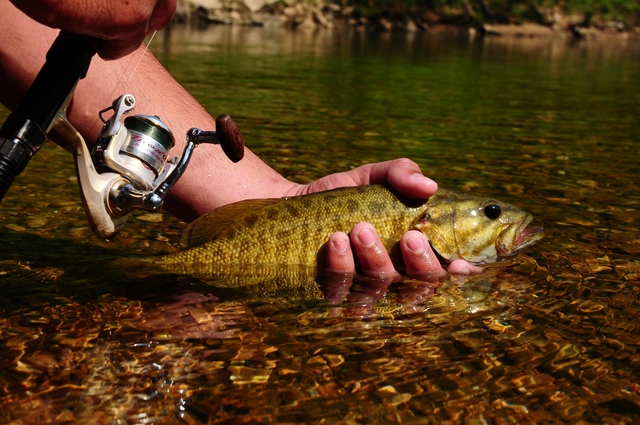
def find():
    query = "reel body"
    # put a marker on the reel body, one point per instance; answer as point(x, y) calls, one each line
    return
point(129, 167)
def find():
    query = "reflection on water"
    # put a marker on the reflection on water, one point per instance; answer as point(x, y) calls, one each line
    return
point(548, 125)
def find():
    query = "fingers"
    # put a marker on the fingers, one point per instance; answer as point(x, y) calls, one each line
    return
point(157, 17)
point(119, 26)
point(339, 254)
point(402, 175)
point(372, 255)
point(419, 259)
point(420, 262)
point(162, 14)
point(462, 267)
point(115, 49)
point(340, 268)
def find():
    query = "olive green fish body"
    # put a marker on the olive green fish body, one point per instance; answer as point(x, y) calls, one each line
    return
point(282, 237)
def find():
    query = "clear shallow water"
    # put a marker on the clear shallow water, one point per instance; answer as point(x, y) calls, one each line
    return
point(546, 124)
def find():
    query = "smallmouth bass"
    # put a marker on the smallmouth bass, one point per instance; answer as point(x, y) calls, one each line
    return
point(282, 236)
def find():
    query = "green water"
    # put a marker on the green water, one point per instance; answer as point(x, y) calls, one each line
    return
point(549, 125)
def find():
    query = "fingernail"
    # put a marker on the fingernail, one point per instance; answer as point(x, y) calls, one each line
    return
point(340, 245)
point(366, 237)
point(416, 244)
point(422, 179)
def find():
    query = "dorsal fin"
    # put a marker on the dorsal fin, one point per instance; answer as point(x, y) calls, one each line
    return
point(212, 224)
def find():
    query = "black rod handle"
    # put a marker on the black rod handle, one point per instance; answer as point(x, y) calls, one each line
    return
point(24, 132)
point(67, 62)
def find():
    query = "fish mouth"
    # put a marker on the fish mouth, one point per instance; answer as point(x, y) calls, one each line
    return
point(523, 237)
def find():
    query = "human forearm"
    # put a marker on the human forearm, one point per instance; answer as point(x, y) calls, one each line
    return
point(211, 179)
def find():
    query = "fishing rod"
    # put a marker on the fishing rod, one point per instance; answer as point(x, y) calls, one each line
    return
point(129, 167)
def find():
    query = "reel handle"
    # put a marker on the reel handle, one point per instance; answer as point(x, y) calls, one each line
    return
point(229, 137)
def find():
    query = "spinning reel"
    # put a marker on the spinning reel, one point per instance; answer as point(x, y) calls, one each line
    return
point(129, 167)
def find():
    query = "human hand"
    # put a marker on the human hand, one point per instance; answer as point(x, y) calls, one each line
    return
point(420, 263)
point(403, 176)
point(115, 27)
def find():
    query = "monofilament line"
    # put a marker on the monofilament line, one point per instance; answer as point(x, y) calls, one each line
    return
point(146, 47)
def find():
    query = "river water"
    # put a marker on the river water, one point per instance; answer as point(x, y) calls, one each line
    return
point(551, 337)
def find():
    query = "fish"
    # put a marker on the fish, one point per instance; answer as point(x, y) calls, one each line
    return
point(286, 236)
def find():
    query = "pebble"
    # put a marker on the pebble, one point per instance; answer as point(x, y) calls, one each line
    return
point(151, 217)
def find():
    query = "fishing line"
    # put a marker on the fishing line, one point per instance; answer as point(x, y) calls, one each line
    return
point(123, 91)
point(146, 47)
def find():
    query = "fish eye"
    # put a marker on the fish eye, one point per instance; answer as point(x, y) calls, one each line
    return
point(492, 211)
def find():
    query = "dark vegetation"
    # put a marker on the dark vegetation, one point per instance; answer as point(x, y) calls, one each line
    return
point(604, 14)
point(584, 18)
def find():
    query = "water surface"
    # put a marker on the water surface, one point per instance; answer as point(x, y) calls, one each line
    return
point(550, 125)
